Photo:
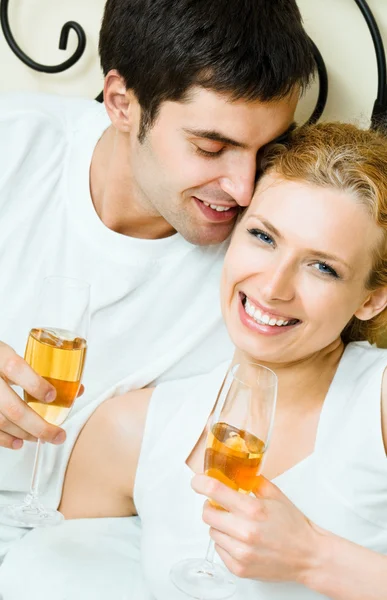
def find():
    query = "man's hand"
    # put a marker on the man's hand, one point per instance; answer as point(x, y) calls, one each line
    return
point(18, 421)
point(263, 537)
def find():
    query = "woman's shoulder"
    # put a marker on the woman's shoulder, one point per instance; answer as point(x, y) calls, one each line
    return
point(362, 362)
point(365, 349)
point(368, 365)
point(103, 463)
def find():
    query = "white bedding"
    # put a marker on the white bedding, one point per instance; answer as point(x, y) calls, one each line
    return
point(80, 559)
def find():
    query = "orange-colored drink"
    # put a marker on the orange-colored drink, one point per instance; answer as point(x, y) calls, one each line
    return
point(59, 357)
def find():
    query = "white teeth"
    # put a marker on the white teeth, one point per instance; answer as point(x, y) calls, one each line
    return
point(217, 208)
point(262, 318)
point(249, 308)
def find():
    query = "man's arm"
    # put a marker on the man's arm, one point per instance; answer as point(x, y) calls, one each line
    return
point(100, 476)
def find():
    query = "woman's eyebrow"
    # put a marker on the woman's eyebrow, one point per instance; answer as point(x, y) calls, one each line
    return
point(317, 253)
point(267, 224)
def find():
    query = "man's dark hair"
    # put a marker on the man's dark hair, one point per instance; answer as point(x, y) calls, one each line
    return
point(250, 49)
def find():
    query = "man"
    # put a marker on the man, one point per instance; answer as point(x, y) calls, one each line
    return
point(139, 196)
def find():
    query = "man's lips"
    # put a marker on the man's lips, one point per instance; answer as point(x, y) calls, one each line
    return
point(214, 215)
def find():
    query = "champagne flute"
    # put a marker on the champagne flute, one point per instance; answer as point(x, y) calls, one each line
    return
point(237, 441)
point(56, 350)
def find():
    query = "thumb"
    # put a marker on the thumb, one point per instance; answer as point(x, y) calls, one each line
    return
point(264, 488)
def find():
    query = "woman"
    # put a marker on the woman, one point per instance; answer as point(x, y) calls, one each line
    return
point(304, 291)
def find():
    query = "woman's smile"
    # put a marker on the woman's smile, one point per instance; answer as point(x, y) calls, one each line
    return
point(263, 320)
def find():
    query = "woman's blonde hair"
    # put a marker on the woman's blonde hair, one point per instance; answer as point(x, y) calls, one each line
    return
point(349, 159)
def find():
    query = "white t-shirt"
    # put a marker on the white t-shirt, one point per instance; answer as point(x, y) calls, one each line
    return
point(341, 486)
point(154, 303)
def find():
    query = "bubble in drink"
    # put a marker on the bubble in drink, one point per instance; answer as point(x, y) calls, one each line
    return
point(58, 356)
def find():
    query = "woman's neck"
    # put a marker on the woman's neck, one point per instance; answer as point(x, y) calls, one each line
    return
point(304, 380)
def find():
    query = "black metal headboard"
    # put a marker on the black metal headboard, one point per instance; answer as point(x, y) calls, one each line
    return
point(379, 113)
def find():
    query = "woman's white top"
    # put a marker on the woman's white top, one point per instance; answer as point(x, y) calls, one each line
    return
point(341, 486)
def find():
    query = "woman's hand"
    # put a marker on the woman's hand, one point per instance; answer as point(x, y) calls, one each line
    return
point(263, 537)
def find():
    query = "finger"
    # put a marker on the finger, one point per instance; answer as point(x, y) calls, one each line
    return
point(264, 488)
point(232, 565)
point(237, 550)
point(11, 429)
point(20, 414)
point(81, 390)
point(229, 499)
point(8, 441)
point(238, 527)
point(18, 372)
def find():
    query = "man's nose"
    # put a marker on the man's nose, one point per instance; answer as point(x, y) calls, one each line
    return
point(239, 182)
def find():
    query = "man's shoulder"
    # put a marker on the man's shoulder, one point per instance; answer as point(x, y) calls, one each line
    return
point(54, 110)
point(35, 132)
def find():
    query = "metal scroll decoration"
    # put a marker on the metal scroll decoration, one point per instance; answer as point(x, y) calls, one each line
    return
point(379, 112)
point(323, 84)
point(67, 64)
point(64, 36)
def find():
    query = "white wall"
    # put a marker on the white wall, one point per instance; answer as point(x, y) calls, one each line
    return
point(341, 34)
point(336, 26)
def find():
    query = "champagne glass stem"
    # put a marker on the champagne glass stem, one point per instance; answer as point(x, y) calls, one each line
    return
point(33, 496)
point(210, 552)
point(208, 562)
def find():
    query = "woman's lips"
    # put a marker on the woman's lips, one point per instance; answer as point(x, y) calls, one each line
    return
point(262, 328)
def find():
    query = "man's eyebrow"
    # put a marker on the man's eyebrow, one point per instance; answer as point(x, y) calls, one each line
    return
point(215, 136)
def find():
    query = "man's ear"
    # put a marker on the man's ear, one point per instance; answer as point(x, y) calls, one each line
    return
point(121, 104)
point(375, 302)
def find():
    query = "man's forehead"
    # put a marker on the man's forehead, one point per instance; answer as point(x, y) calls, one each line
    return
point(198, 98)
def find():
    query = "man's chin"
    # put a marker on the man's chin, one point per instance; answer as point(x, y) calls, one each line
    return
point(208, 236)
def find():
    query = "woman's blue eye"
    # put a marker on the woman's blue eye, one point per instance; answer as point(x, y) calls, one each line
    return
point(261, 235)
point(326, 269)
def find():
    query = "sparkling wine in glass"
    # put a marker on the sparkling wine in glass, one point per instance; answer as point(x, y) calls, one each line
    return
point(237, 441)
point(56, 350)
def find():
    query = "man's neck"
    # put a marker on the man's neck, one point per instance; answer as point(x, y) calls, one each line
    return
point(114, 194)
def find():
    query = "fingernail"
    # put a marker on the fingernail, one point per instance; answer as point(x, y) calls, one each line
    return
point(60, 438)
point(50, 396)
point(17, 444)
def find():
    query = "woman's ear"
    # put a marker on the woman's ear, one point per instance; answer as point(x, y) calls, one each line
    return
point(121, 104)
point(375, 302)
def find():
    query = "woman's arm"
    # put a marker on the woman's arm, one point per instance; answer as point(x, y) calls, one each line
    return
point(100, 475)
point(268, 538)
point(346, 571)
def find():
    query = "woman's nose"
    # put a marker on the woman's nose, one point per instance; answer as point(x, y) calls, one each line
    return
point(279, 284)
